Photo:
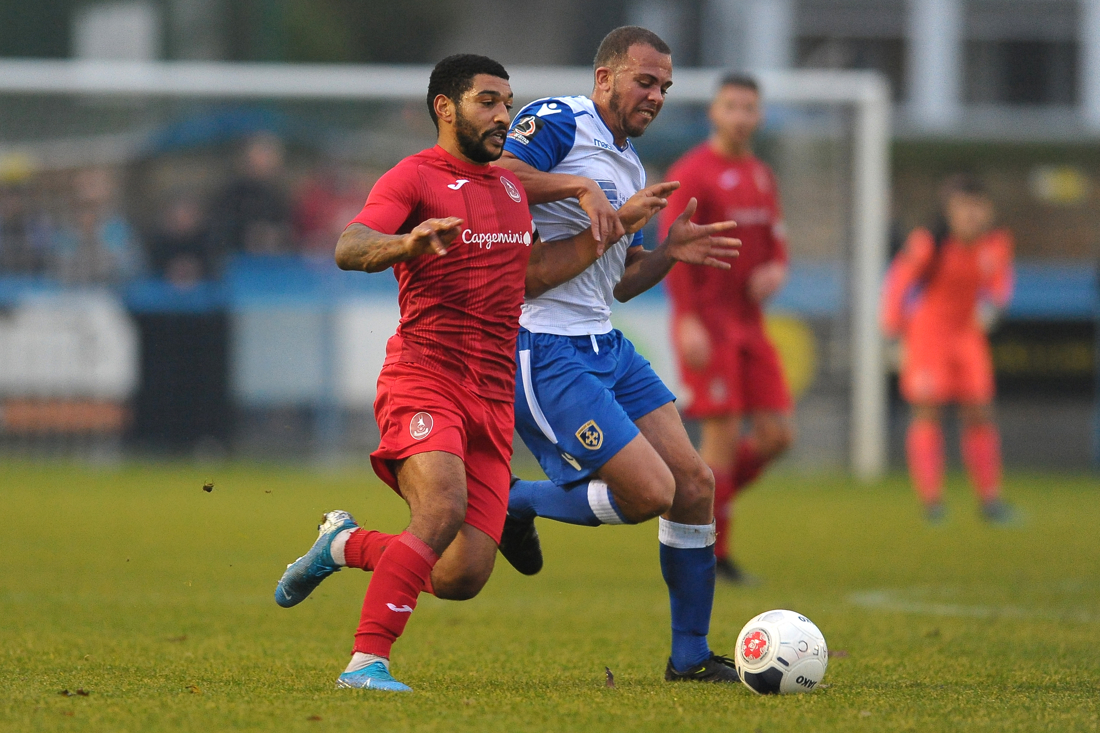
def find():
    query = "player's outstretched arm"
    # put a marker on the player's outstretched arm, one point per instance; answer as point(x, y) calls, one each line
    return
point(362, 248)
point(695, 244)
point(542, 188)
point(553, 263)
point(644, 205)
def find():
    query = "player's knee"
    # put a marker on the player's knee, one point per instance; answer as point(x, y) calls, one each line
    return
point(650, 498)
point(695, 487)
point(441, 523)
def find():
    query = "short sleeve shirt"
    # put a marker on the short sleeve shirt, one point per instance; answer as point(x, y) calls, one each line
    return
point(460, 311)
point(567, 135)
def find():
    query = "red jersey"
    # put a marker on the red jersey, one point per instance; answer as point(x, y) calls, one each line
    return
point(459, 312)
point(744, 190)
point(929, 295)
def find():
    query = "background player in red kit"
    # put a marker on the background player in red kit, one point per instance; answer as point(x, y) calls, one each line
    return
point(941, 296)
point(726, 361)
point(459, 236)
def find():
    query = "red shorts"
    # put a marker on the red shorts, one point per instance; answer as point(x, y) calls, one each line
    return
point(743, 376)
point(953, 368)
point(419, 410)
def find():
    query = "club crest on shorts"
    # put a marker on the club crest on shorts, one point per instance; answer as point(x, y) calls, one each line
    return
point(420, 425)
point(510, 188)
point(590, 435)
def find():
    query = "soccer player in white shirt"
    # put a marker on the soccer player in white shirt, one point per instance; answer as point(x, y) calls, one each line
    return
point(590, 408)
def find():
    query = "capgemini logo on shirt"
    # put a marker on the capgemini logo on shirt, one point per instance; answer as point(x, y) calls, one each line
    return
point(486, 240)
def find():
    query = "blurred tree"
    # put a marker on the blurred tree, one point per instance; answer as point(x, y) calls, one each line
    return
point(35, 29)
point(335, 31)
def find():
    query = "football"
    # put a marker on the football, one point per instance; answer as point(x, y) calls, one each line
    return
point(780, 652)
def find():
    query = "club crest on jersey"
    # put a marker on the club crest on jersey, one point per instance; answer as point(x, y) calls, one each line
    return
point(729, 179)
point(513, 191)
point(420, 425)
point(590, 435)
point(526, 127)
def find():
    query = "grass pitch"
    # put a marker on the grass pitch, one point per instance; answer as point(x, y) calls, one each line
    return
point(154, 598)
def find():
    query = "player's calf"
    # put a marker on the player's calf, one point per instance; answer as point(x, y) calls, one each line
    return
point(465, 567)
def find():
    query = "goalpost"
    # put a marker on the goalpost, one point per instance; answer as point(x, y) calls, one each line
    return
point(131, 90)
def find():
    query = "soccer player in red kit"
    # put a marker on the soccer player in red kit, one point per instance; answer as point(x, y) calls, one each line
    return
point(941, 296)
point(459, 237)
point(728, 365)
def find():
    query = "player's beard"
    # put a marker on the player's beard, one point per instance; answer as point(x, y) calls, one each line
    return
point(616, 104)
point(472, 142)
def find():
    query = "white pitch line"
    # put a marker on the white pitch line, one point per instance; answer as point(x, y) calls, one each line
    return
point(886, 600)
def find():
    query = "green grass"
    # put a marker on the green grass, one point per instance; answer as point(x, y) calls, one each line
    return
point(154, 597)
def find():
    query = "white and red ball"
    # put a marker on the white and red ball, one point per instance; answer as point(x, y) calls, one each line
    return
point(781, 652)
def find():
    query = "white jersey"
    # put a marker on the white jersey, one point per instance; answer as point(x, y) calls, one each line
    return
point(567, 135)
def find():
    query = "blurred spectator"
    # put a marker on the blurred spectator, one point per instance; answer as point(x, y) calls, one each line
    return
point(330, 198)
point(179, 250)
point(25, 231)
point(252, 214)
point(98, 245)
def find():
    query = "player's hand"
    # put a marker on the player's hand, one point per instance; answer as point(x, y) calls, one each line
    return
point(766, 280)
point(432, 236)
point(693, 341)
point(606, 227)
point(644, 205)
point(697, 244)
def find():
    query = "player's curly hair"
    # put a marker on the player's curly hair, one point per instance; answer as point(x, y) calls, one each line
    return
point(453, 76)
point(615, 45)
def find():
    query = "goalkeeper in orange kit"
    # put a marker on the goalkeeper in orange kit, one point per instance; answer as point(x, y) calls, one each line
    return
point(943, 293)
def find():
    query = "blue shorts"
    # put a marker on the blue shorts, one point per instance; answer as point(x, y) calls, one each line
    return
point(576, 404)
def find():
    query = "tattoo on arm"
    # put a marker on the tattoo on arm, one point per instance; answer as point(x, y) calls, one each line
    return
point(361, 248)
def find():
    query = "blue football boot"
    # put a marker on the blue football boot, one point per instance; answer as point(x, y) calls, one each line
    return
point(307, 572)
point(374, 676)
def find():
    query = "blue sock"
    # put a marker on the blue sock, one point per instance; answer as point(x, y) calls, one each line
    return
point(687, 564)
point(589, 503)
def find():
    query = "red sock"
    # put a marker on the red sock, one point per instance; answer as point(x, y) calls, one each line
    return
point(402, 571)
point(924, 448)
point(365, 547)
point(723, 507)
point(748, 464)
point(981, 451)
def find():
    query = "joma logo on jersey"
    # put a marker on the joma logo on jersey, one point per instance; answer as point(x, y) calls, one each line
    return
point(590, 435)
point(486, 240)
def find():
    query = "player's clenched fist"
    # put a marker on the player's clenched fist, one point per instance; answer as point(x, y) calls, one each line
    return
point(432, 236)
point(697, 244)
point(644, 205)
